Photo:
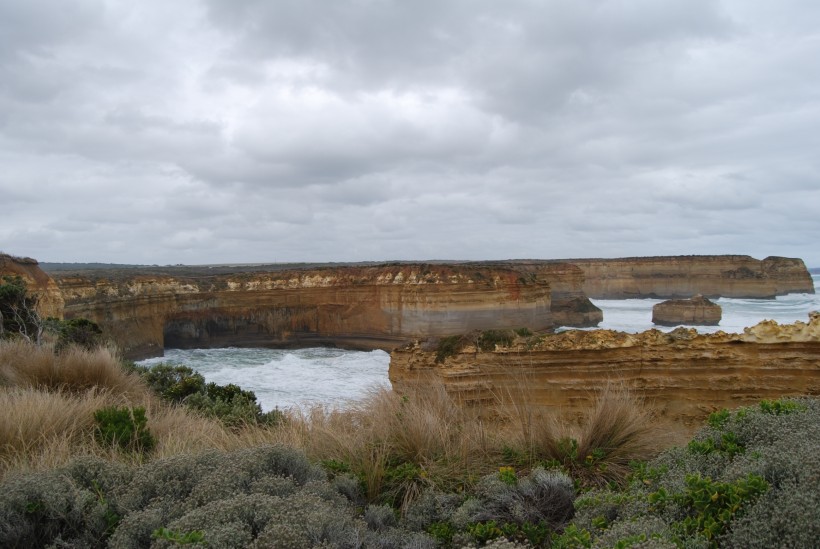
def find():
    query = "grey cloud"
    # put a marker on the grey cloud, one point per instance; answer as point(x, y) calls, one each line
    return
point(208, 131)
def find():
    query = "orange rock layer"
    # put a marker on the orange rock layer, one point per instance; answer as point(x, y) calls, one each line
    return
point(683, 375)
point(354, 307)
point(738, 276)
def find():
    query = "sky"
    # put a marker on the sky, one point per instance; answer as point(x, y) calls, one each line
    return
point(242, 131)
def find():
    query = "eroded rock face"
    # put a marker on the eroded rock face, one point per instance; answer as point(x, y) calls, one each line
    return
point(738, 276)
point(355, 307)
point(50, 299)
point(683, 374)
point(570, 305)
point(696, 311)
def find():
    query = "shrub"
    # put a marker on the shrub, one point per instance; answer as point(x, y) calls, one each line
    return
point(490, 339)
point(126, 428)
point(79, 332)
point(449, 346)
point(173, 382)
point(542, 496)
point(18, 310)
point(68, 507)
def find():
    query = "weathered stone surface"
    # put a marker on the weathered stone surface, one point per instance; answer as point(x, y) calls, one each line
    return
point(50, 299)
point(570, 305)
point(355, 307)
point(696, 311)
point(683, 374)
point(739, 276)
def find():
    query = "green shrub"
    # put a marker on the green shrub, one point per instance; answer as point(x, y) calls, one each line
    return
point(126, 428)
point(449, 346)
point(489, 339)
point(69, 507)
point(542, 496)
point(173, 382)
point(18, 310)
point(77, 331)
point(523, 332)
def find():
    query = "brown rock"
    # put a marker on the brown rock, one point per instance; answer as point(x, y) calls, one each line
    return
point(696, 311)
point(49, 298)
point(669, 277)
point(684, 375)
point(354, 306)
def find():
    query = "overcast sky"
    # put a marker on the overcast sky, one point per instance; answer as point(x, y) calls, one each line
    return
point(222, 131)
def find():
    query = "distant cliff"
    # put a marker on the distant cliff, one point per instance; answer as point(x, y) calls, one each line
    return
point(683, 374)
point(50, 299)
point(358, 307)
point(667, 277)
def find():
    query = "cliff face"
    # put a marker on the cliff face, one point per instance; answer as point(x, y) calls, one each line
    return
point(362, 307)
point(683, 374)
point(50, 299)
point(737, 276)
point(570, 305)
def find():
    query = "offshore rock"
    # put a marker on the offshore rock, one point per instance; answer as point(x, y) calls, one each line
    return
point(684, 375)
point(50, 299)
point(696, 311)
point(669, 277)
point(363, 307)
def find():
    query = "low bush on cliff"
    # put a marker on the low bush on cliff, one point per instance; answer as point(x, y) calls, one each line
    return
point(748, 479)
point(231, 404)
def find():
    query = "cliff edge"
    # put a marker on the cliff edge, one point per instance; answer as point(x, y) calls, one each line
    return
point(669, 277)
point(683, 374)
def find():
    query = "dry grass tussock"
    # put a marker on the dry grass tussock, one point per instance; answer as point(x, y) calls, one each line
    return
point(23, 364)
point(423, 432)
point(48, 403)
point(617, 429)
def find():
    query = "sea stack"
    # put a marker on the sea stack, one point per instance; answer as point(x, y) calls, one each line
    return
point(697, 311)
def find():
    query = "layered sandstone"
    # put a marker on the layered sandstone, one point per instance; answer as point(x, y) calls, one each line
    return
point(50, 299)
point(570, 305)
point(738, 276)
point(683, 374)
point(355, 307)
point(695, 311)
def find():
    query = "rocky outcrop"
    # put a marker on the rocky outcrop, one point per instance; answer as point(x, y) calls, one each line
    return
point(570, 305)
point(49, 297)
point(669, 277)
point(696, 311)
point(354, 307)
point(683, 374)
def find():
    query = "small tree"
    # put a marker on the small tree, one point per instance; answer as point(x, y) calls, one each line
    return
point(18, 310)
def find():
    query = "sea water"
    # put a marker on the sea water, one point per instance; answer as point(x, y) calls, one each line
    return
point(285, 378)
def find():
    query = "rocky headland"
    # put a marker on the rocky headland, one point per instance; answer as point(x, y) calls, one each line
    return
point(684, 375)
point(668, 277)
point(363, 307)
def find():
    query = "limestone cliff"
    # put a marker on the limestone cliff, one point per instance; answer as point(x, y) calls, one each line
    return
point(570, 305)
point(49, 297)
point(683, 374)
point(359, 307)
point(739, 276)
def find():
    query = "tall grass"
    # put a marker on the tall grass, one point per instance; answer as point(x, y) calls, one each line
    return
point(23, 364)
point(397, 444)
point(618, 429)
point(48, 402)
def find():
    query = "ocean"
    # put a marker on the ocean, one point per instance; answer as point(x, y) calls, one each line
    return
point(285, 378)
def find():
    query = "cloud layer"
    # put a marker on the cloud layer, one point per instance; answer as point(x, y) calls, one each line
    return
point(211, 131)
